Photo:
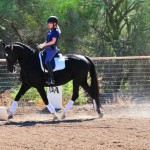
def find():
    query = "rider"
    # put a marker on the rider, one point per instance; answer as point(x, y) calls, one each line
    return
point(51, 45)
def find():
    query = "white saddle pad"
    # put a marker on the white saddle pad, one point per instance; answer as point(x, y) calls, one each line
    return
point(59, 63)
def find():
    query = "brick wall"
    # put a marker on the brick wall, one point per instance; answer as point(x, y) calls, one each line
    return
point(7, 79)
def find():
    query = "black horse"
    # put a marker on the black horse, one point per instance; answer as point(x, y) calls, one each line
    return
point(31, 75)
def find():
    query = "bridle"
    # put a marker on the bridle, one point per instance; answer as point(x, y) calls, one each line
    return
point(11, 45)
point(16, 64)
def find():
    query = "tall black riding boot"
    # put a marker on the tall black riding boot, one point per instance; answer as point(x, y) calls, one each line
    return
point(50, 71)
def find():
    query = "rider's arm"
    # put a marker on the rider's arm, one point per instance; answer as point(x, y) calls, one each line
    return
point(44, 43)
point(51, 42)
point(47, 44)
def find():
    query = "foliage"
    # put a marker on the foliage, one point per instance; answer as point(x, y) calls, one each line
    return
point(32, 94)
point(94, 28)
point(67, 93)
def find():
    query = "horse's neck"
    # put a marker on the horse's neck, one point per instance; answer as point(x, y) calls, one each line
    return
point(22, 63)
point(24, 58)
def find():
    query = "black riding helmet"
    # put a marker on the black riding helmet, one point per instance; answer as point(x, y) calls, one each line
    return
point(53, 19)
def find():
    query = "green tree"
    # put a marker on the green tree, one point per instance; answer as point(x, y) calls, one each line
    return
point(113, 22)
point(94, 28)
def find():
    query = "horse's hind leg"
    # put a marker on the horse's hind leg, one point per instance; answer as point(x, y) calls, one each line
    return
point(43, 95)
point(74, 97)
point(86, 87)
point(14, 105)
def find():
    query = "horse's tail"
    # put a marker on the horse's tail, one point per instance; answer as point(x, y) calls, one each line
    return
point(94, 89)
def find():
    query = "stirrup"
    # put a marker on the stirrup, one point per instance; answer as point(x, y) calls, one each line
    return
point(50, 81)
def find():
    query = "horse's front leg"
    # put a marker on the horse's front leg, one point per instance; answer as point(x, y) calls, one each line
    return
point(43, 95)
point(14, 105)
point(73, 99)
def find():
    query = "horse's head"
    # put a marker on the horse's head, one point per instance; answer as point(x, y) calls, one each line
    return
point(10, 56)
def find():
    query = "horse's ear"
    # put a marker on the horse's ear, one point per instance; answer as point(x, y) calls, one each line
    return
point(3, 44)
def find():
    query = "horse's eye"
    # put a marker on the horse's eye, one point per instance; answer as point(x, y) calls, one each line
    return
point(6, 54)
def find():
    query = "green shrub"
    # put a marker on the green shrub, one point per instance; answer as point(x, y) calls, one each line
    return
point(67, 92)
point(31, 94)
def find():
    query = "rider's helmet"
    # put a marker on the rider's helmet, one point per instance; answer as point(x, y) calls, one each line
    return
point(52, 19)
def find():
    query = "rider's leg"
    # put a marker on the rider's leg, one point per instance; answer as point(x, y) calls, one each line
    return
point(14, 105)
point(49, 56)
point(50, 71)
point(74, 97)
point(42, 93)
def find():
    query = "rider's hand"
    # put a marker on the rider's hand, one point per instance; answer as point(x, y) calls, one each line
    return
point(41, 46)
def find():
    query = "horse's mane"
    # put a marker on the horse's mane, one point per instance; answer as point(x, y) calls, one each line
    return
point(25, 46)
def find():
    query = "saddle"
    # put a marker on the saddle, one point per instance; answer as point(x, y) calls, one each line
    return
point(58, 62)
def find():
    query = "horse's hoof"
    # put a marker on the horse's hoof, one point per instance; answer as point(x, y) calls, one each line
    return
point(55, 118)
point(10, 116)
point(62, 117)
point(101, 115)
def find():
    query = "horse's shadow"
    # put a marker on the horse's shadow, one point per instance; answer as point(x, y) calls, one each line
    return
point(33, 123)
